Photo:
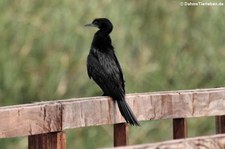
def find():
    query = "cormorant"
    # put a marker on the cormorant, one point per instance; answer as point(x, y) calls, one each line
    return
point(104, 68)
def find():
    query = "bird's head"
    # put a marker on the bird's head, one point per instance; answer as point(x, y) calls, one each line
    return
point(103, 24)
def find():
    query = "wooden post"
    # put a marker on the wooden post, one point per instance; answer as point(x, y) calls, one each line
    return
point(54, 140)
point(180, 128)
point(220, 124)
point(120, 134)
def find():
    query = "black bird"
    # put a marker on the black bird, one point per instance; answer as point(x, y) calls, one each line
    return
point(104, 68)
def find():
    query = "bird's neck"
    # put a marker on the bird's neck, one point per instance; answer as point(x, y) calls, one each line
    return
point(102, 41)
point(106, 30)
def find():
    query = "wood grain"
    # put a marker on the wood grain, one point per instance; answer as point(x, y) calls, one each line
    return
point(30, 119)
point(180, 128)
point(206, 142)
point(120, 134)
point(146, 106)
point(220, 124)
point(54, 140)
point(51, 116)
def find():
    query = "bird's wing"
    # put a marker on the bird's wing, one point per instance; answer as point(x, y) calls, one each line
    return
point(106, 72)
point(110, 63)
point(120, 72)
point(97, 72)
point(90, 60)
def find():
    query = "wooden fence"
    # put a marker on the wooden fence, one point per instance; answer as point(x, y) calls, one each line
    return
point(44, 122)
point(206, 142)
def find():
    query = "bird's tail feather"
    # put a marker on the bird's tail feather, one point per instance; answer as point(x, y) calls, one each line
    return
point(127, 113)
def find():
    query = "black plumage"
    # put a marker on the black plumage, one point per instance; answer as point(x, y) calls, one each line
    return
point(104, 68)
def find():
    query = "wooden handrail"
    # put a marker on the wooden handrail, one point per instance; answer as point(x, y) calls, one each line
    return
point(52, 116)
point(206, 142)
point(49, 119)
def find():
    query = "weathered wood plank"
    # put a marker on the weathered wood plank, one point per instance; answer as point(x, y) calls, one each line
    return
point(180, 128)
point(30, 119)
point(44, 117)
point(206, 142)
point(220, 124)
point(120, 134)
point(53, 140)
point(81, 113)
point(146, 106)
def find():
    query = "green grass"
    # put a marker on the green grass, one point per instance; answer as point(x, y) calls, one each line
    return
point(160, 45)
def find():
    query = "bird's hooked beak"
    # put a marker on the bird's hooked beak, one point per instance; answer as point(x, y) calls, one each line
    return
point(90, 25)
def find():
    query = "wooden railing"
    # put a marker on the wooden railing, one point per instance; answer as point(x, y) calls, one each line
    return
point(44, 122)
point(205, 142)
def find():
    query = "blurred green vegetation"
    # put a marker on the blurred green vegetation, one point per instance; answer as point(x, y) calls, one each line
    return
point(160, 45)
